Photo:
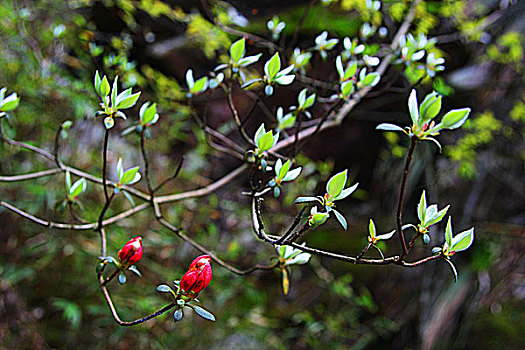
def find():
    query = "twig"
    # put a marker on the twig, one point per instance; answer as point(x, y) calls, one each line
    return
point(203, 191)
point(399, 214)
point(300, 23)
point(104, 163)
point(172, 177)
point(236, 117)
point(30, 176)
point(146, 163)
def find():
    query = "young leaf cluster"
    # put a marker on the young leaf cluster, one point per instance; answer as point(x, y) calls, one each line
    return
point(113, 101)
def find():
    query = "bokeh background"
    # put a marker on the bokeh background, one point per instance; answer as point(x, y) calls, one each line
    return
point(49, 295)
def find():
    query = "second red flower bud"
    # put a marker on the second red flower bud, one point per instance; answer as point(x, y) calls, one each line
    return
point(131, 252)
point(198, 276)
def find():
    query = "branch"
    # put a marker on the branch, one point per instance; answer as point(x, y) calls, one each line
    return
point(203, 191)
point(399, 218)
point(30, 176)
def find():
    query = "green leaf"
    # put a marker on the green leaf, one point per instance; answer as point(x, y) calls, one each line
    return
point(372, 228)
point(454, 119)
point(10, 102)
point(430, 107)
point(266, 141)
point(127, 101)
point(412, 107)
point(316, 218)
point(453, 268)
point(341, 219)
point(386, 236)
point(300, 200)
point(114, 92)
point(462, 240)
point(285, 280)
point(346, 192)
point(292, 174)
point(339, 67)
point(301, 99)
point(120, 169)
point(148, 113)
point(68, 180)
point(309, 101)
point(189, 79)
point(448, 232)
point(131, 176)
point(246, 61)
point(164, 288)
point(260, 132)
point(437, 217)
point(122, 278)
point(134, 269)
point(104, 87)
point(200, 85)
point(278, 166)
point(285, 79)
point(237, 50)
point(371, 79)
point(78, 187)
point(96, 84)
point(129, 198)
point(390, 127)
point(347, 88)
point(178, 315)
point(436, 142)
point(422, 208)
point(108, 259)
point(336, 184)
point(203, 313)
point(351, 70)
point(284, 169)
point(272, 66)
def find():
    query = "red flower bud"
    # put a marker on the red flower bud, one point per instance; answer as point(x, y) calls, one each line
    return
point(131, 252)
point(198, 276)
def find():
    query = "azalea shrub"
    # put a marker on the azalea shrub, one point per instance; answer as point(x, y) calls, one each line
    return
point(132, 182)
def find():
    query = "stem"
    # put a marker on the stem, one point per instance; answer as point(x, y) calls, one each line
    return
point(236, 117)
point(104, 164)
point(292, 227)
point(137, 321)
point(171, 177)
point(402, 197)
point(107, 280)
point(363, 252)
point(295, 236)
point(146, 163)
point(100, 224)
point(300, 24)
point(57, 145)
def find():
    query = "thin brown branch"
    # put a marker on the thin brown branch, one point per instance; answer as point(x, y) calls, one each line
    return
point(30, 176)
point(236, 116)
point(66, 226)
point(146, 163)
point(399, 214)
point(300, 23)
point(203, 191)
point(215, 258)
point(175, 174)
point(105, 164)
point(137, 321)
